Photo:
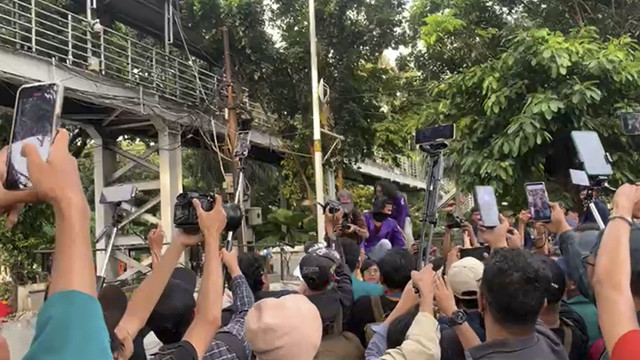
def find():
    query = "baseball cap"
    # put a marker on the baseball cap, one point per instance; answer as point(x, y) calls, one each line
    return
point(555, 290)
point(464, 277)
point(317, 268)
point(173, 313)
point(634, 246)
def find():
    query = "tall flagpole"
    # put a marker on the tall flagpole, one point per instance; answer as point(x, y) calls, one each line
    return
point(317, 141)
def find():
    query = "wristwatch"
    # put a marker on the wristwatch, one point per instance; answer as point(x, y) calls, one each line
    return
point(457, 318)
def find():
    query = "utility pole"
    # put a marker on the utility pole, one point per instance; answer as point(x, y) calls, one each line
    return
point(232, 131)
point(232, 122)
point(317, 134)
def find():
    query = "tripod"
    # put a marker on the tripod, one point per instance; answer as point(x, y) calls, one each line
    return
point(110, 232)
point(429, 215)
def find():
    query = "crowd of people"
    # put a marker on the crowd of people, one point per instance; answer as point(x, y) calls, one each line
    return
point(561, 290)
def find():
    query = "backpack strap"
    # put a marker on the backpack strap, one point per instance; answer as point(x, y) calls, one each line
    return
point(378, 311)
point(568, 338)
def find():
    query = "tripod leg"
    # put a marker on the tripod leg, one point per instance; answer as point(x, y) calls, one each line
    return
point(103, 270)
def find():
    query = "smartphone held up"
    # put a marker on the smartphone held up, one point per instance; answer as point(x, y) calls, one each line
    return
point(36, 120)
point(488, 206)
point(538, 202)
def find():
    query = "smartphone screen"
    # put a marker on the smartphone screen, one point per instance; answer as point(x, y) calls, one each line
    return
point(434, 134)
point(591, 153)
point(476, 252)
point(488, 206)
point(538, 202)
point(34, 119)
point(630, 123)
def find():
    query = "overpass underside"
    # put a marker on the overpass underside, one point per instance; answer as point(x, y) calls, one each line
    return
point(115, 86)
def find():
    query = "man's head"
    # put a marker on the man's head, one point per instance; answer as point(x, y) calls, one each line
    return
point(345, 198)
point(351, 251)
point(382, 209)
point(386, 188)
point(464, 278)
point(475, 215)
point(286, 328)
point(557, 286)
point(114, 304)
point(395, 269)
point(253, 267)
point(634, 253)
point(512, 291)
point(318, 268)
point(174, 310)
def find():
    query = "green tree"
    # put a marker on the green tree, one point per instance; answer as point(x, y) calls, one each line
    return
point(515, 112)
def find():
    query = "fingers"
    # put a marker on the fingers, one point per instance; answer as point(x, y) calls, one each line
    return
point(219, 203)
point(13, 216)
point(159, 228)
point(34, 161)
point(198, 206)
point(60, 143)
point(554, 206)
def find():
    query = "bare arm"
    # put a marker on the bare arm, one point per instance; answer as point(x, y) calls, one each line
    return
point(209, 305)
point(446, 241)
point(612, 274)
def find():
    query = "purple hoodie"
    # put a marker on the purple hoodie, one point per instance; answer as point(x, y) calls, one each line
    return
point(389, 230)
point(400, 211)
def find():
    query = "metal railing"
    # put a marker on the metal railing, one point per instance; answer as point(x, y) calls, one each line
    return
point(48, 31)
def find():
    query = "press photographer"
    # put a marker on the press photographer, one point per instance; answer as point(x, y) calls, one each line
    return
point(348, 222)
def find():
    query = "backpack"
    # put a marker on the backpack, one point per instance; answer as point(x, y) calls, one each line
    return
point(339, 344)
point(570, 321)
point(379, 316)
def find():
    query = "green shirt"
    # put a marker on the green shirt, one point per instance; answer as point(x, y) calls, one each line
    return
point(70, 326)
point(589, 314)
point(362, 288)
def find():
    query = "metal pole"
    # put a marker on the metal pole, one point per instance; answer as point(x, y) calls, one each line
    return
point(232, 124)
point(317, 140)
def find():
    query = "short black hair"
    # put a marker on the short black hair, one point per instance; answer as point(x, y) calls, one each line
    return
point(351, 251)
point(558, 284)
point(395, 268)
point(389, 189)
point(253, 266)
point(513, 286)
point(380, 203)
point(366, 264)
point(399, 328)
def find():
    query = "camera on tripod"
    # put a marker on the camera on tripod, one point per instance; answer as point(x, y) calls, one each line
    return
point(185, 216)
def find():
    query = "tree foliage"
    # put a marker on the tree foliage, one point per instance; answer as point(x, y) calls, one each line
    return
point(514, 113)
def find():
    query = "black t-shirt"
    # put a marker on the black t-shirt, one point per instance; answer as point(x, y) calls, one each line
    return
point(362, 314)
point(179, 351)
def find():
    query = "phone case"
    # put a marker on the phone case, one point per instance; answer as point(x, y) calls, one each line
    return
point(57, 114)
point(543, 212)
point(483, 210)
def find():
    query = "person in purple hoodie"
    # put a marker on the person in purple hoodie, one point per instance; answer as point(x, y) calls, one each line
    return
point(400, 211)
point(384, 232)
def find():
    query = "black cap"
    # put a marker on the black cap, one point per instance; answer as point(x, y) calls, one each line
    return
point(318, 267)
point(555, 290)
point(173, 313)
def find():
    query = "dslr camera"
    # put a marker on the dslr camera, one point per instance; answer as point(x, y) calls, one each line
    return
point(332, 207)
point(454, 222)
point(185, 216)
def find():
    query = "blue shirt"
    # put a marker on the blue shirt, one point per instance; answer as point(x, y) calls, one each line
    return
point(70, 326)
point(362, 288)
point(388, 230)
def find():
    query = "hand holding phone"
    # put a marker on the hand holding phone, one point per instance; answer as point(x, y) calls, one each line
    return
point(36, 120)
point(538, 202)
point(488, 206)
point(480, 253)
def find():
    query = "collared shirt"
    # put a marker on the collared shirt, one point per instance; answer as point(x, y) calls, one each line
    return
point(243, 300)
point(389, 230)
point(422, 341)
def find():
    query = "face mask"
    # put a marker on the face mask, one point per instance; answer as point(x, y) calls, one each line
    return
point(380, 217)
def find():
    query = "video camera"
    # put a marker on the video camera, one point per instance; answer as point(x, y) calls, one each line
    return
point(186, 218)
point(454, 222)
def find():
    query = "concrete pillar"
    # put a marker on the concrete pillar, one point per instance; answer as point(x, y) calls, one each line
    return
point(170, 151)
point(104, 165)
